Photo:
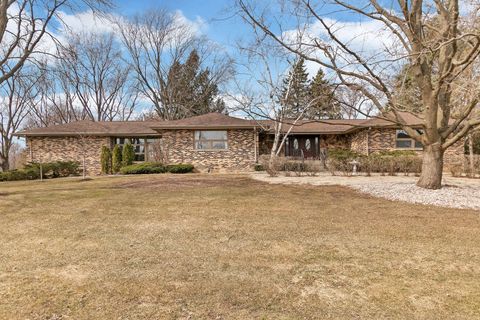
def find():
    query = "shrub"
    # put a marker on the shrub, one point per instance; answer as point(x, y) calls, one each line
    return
point(343, 154)
point(258, 167)
point(180, 168)
point(156, 167)
point(274, 166)
point(340, 160)
point(116, 159)
point(456, 170)
point(295, 166)
point(106, 160)
point(384, 162)
point(396, 153)
point(15, 175)
point(128, 154)
point(144, 168)
point(56, 169)
point(49, 170)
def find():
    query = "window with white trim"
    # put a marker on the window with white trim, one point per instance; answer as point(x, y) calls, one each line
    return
point(211, 140)
point(404, 141)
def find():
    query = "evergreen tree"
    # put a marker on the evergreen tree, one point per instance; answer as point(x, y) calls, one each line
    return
point(295, 91)
point(191, 89)
point(106, 160)
point(116, 159)
point(322, 95)
point(128, 154)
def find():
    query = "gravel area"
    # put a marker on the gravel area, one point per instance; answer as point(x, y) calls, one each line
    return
point(456, 193)
point(450, 196)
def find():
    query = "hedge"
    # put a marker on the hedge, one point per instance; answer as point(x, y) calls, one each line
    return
point(153, 167)
point(384, 162)
point(180, 168)
point(49, 170)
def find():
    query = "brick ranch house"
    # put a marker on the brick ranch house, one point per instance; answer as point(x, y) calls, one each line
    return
point(217, 141)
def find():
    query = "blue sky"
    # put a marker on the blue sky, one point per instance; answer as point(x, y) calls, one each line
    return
point(217, 14)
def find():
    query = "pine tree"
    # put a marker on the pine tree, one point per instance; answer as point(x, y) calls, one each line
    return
point(295, 91)
point(322, 96)
point(191, 90)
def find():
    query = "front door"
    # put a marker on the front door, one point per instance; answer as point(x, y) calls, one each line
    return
point(303, 146)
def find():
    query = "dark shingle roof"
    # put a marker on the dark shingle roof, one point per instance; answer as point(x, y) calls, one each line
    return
point(97, 128)
point(210, 121)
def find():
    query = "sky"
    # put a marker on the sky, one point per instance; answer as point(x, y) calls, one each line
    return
point(220, 25)
point(218, 21)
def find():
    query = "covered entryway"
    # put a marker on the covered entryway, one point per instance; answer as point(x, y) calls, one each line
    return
point(304, 146)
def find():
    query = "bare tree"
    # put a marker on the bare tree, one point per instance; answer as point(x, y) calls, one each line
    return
point(266, 92)
point(157, 42)
point(431, 36)
point(24, 24)
point(17, 93)
point(354, 104)
point(53, 102)
point(94, 77)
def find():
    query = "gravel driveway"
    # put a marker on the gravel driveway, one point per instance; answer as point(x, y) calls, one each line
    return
point(456, 193)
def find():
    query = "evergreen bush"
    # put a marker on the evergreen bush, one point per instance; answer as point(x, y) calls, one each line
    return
point(128, 154)
point(106, 160)
point(116, 159)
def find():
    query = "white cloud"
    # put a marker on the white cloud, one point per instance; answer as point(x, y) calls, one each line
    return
point(87, 21)
point(369, 39)
point(198, 26)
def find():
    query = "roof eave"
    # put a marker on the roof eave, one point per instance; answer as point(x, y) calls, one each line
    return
point(75, 134)
point(212, 127)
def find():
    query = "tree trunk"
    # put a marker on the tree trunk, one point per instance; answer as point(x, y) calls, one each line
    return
point(471, 156)
point(4, 164)
point(432, 167)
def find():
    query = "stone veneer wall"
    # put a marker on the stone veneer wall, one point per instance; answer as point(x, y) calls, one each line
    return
point(384, 139)
point(47, 149)
point(179, 148)
point(334, 141)
point(358, 142)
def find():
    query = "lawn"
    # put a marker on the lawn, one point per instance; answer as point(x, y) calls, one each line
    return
point(227, 247)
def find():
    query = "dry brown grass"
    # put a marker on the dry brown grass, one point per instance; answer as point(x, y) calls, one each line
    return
point(227, 247)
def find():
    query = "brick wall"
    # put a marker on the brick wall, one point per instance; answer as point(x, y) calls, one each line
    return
point(335, 141)
point(47, 149)
point(359, 142)
point(240, 155)
point(384, 139)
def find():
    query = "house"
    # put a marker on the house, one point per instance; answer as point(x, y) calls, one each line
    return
point(217, 141)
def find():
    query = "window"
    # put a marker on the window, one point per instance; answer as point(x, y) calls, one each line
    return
point(295, 144)
point(307, 144)
point(211, 140)
point(141, 145)
point(403, 141)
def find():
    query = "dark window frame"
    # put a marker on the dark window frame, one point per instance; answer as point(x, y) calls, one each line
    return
point(404, 137)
